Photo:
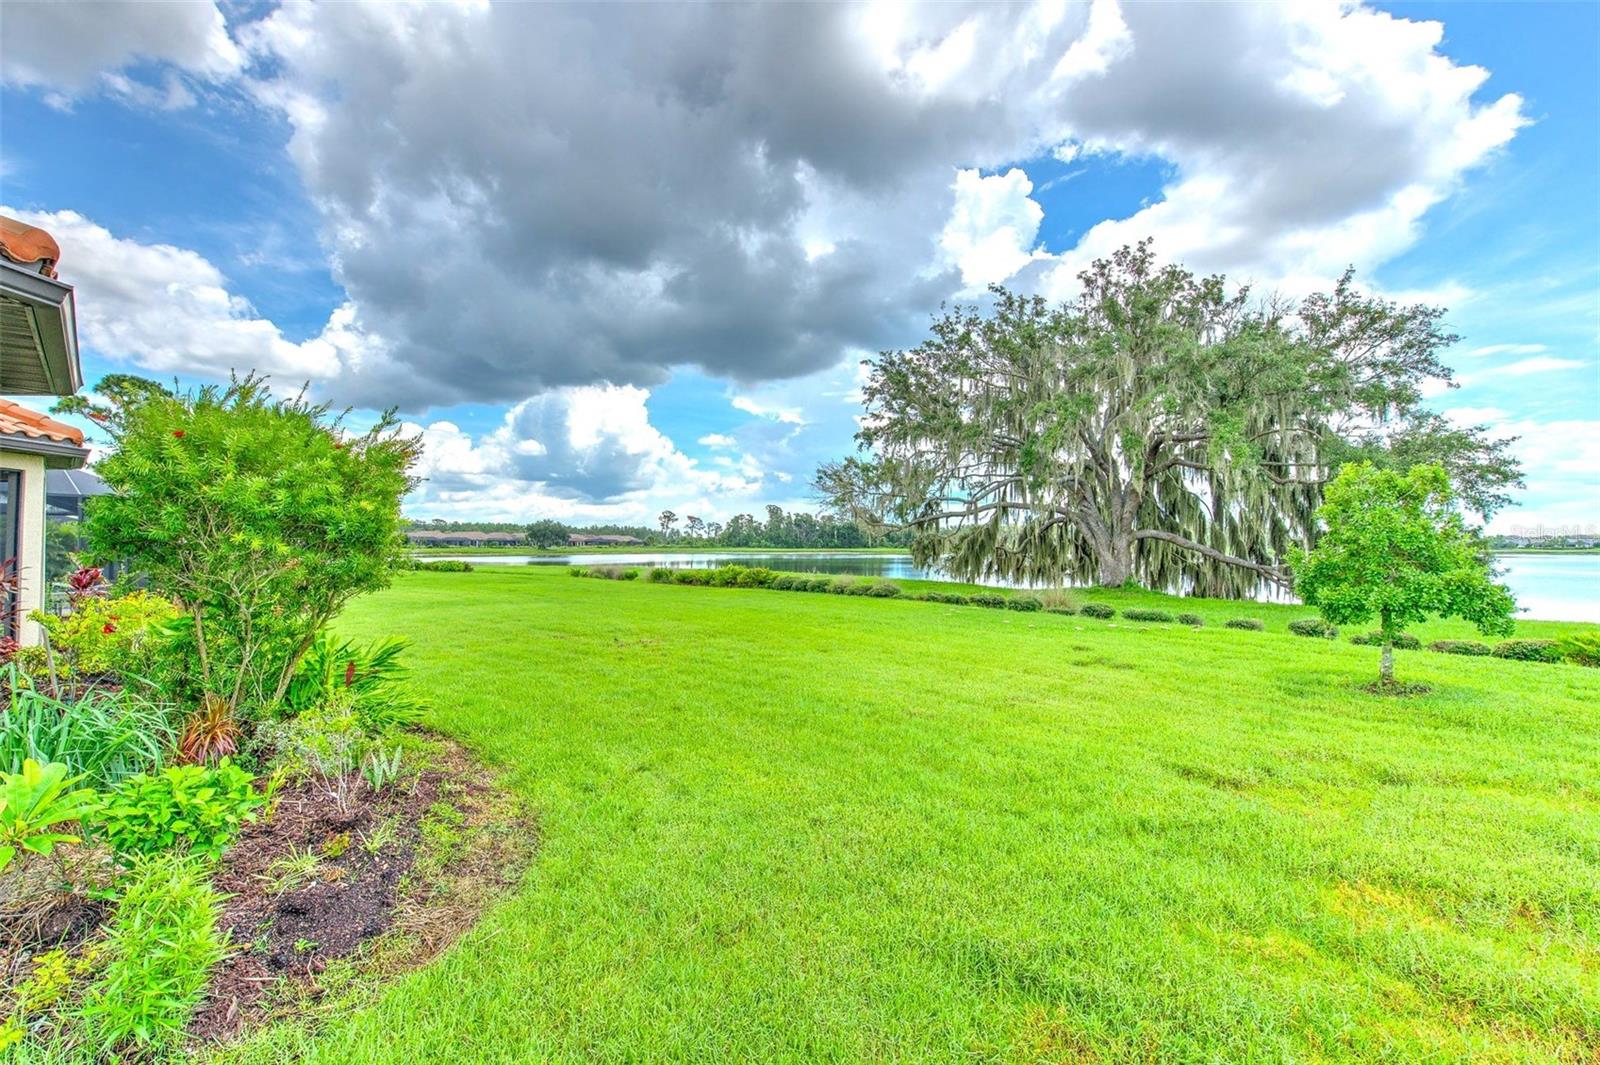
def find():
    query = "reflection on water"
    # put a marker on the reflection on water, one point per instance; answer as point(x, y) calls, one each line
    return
point(1553, 587)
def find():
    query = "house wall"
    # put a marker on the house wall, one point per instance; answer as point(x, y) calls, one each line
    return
point(30, 558)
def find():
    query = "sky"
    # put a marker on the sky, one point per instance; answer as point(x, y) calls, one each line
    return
point(610, 260)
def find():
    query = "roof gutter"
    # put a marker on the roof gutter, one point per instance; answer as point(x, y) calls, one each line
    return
point(55, 317)
point(57, 454)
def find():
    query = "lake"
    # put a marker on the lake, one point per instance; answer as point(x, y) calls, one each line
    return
point(1552, 587)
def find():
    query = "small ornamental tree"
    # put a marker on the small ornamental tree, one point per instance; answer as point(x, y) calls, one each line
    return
point(259, 517)
point(1396, 549)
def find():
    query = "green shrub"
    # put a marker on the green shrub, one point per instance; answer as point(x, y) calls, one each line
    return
point(107, 635)
point(1137, 613)
point(1403, 641)
point(444, 565)
point(884, 590)
point(1528, 650)
point(859, 588)
point(372, 677)
point(1191, 619)
point(1066, 611)
point(783, 583)
point(1459, 647)
point(1025, 603)
point(755, 577)
point(577, 571)
point(1097, 610)
point(103, 736)
point(1315, 627)
point(201, 806)
point(162, 943)
point(820, 584)
point(840, 585)
point(698, 577)
point(988, 599)
point(1581, 649)
point(661, 575)
point(952, 598)
point(1061, 601)
point(266, 516)
point(1248, 624)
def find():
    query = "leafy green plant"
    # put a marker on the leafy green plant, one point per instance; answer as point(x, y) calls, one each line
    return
point(1529, 650)
point(289, 871)
point(1314, 627)
point(661, 575)
point(107, 635)
point(1194, 620)
point(200, 806)
point(33, 803)
point(820, 584)
point(884, 590)
point(1460, 647)
point(1397, 549)
point(371, 676)
point(1135, 613)
point(1581, 649)
point(1025, 603)
point(1247, 624)
point(987, 599)
point(104, 736)
point(577, 571)
point(162, 944)
point(1098, 610)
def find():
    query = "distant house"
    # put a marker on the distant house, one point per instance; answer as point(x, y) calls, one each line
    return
point(462, 538)
point(588, 540)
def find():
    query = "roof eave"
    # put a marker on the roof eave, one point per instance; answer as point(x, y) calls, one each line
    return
point(56, 312)
point(57, 454)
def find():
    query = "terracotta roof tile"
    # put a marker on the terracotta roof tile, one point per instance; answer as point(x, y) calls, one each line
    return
point(17, 420)
point(22, 243)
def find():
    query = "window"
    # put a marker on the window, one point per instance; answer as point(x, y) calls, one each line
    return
point(10, 547)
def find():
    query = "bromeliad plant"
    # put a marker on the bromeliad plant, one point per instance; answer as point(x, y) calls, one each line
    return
point(34, 804)
point(371, 679)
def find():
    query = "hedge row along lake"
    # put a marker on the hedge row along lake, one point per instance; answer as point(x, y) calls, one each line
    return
point(1550, 587)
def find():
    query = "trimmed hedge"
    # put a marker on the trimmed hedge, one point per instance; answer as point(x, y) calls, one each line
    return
point(1098, 610)
point(1191, 619)
point(1528, 650)
point(1065, 608)
point(1316, 627)
point(988, 599)
point(1582, 649)
point(884, 590)
point(1459, 647)
point(443, 565)
point(1403, 641)
point(661, 575)
point(1027, 603)
point(1248, 624)
point(1139, 613)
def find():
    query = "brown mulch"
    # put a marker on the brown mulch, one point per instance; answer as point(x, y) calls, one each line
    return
point(286, 929)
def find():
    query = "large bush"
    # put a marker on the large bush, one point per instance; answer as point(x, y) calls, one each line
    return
point(1138, 613)
point(259, 517)
point(1191, 619)
point(1528, 650)
point(1026, 603)
point(1247, 624)
point(1314, 627)
point(1581, 649)
point(1459, 647)
point(1098, 610)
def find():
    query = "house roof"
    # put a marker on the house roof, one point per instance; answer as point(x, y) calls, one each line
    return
point(22, 243)
point(32, 433)
point(17, 420)
point(38, 316)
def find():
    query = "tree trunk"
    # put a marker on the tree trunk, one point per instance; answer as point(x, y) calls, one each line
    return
point(1386, 663)
point(1116, 560)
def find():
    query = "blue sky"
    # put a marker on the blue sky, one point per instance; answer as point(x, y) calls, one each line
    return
point(639, 270)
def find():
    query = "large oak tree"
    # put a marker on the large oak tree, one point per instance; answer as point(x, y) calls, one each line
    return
point(1162, 428)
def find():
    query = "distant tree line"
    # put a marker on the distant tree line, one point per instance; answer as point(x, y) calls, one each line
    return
point(779, 529)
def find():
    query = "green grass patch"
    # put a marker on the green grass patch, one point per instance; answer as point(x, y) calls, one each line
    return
point(831, 828)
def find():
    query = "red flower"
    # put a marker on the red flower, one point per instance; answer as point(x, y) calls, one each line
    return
point(109, 629)
point(178, 433)
point(349, 674)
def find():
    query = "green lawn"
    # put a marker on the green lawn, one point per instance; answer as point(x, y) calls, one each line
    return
point(815, 828)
